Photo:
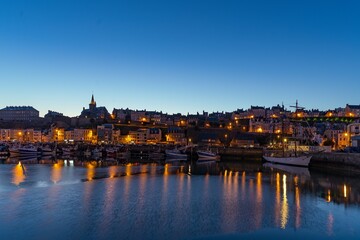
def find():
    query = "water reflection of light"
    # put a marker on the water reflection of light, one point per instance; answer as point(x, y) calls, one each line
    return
point(56, 173)
point(230, 206)
point(90, 171)
point(277, 199)
point(112, 171)
point(298, 208)
point(259, 199)
point(164, 199)
point(18, 174)
point(259, 187)
point(166, 169)
point(142, 187)
point(284, 205)
point(345, 191)
point(243, 185)
point(328, 197)
point(128, 169)
point(109, 198)
point(71, 163)
point(330, 224)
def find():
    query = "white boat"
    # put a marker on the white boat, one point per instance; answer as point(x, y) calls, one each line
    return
point(207, 155)
point(302, 161)
point(290, 157)
point(29, 150)
point(175, 154)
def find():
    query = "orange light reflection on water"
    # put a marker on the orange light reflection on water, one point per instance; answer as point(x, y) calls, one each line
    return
point(18, 174)
point(284, 205)
point(297, 203)
point(277, 200)
point(90, 171)
point(259, 200)
point(112, 171)
point(56, 173)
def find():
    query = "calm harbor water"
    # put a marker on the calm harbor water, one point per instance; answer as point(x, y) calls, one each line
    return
point(72, 200)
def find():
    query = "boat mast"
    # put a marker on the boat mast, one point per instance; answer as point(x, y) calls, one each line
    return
point(296, 116)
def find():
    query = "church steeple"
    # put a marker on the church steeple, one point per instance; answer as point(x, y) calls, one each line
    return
point(92, 104)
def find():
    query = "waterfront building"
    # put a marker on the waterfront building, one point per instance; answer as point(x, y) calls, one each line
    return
point(138, 137)
point(141, 136)
point(257, 111)
point(5, 134)
point(259, 125)
point(333, 135)
point(209, 138)
point(121, 114)
point(69, 135)
point(343, 140)
point(20, 113)
point(275, 111)
point(79, 135)
point(353, 130)
point(17, 135)
point(244, 140)
point(180, 121)
point(94, 112)
point(352, 110)
point(139, 116)
point(176, 135)
point(116, 136)
point(340, 112)
point(155, 118)
point(37, 136)
point(194, 119)
point(153, 135)
point(105, 133)
point(355, 141)
point(131, 137)
point(57, 134)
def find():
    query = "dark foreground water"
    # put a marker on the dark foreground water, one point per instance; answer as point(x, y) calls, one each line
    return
point(174, 201)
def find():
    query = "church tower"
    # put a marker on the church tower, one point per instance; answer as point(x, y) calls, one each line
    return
point(92, 104)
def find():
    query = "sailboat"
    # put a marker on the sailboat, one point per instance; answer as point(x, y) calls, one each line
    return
point(289, 158)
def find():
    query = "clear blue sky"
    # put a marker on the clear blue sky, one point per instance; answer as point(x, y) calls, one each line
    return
point(179, 55)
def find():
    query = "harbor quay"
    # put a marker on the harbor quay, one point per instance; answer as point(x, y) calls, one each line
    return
point(332, 137)
point(151, 153)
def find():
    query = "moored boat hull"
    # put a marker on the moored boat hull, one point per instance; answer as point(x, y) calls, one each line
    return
point(302, 161)
point(207, 155)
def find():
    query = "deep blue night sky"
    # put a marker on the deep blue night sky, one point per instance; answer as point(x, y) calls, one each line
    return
point(179, 56)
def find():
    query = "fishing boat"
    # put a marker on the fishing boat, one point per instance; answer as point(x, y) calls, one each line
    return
point(175, 154)
point(179, 154)
point(29, 150)
point(207, 154)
